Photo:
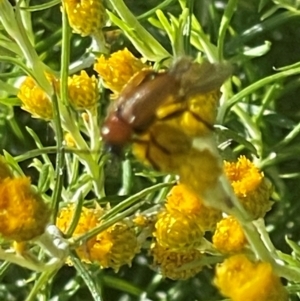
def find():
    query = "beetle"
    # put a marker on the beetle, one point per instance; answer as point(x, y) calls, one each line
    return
point(135, 109)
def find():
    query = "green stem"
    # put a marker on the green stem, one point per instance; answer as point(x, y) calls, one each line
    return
point(21, 261)
point(106, 224)
point(188, 28)
point(118, 212)
point(42, 280)
point(200, 40)
point(152, 11)
point(268, 97)
point(139, 36)
point(251, 127)
point(229, 11)
point(75, 218)
point(256, 243)
point(126, 177)
point(60, 161)
point(90, 281)
point(288, 138)
point(252, 88)
point(237, 210)
point(135, 198)
point(60, 158)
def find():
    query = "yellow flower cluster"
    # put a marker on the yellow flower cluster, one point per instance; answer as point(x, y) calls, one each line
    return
point(229, 236)
point(143, 221)
point(117, 70)
point(179, 232)
point(114, 247)
point(23, 213)
point(241, 279)
point(83, 91)
point(87, 221)
point(185, 219)
point(83, 94)
point(85, 16)
point(250, 186)
point(176, 265)
point(35, 100)
point(182, 199)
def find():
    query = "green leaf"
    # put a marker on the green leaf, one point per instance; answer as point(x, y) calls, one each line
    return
point(13, 163)
point(44, 178)
point(258, 51)
point(229, 134)
point(295, 247)
point(11, 101)
point(262, 4)
point(43, 6)
point(91, 282)
point(144, 42)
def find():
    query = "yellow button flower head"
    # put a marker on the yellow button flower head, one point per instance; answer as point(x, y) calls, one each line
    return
point(250, 186)
point(83, 91)
point(240, 279)
point(117, 70)
point(172, 264)
point(23, 214)
point(177, 231)
point(115, 246)
point(88, 220)
point(35, 100)
point(182, 198)
point(143, 221)
point(85, 16)
point(229, 236)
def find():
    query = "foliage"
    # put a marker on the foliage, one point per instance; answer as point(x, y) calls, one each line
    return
point(63, 153)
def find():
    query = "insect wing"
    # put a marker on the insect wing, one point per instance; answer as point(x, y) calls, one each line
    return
point(200, 78)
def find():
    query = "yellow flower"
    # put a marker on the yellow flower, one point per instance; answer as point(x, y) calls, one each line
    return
point(35, 100)
point(23, 214)
point(243, 175)
point(178, 231)
point(85, 16)
point(229, 236)
point(115, 246)
point(83, 91)
point(118, 69)
point(176, 265)
point(182, 198)
point(88, 220)
point(143, 221)
point(240, 279)
point(250, 186)
point(5, 172)
point(112, 248)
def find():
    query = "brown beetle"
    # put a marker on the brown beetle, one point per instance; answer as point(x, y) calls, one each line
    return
point(136, 107)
